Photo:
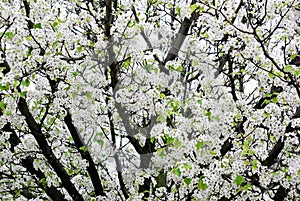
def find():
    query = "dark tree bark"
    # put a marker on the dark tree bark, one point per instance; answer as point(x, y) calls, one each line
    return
point(92, 170)
point(47, 151)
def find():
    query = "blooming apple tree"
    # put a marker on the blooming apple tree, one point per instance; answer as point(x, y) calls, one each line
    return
point(149, 100)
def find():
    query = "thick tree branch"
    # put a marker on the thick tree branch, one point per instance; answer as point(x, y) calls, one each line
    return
point(179, 40)
point(85, 155)
point(281, 193)
point(180, 37)
point(47, 151)
point(51, 191)
point(273, 155)
point(27, 162)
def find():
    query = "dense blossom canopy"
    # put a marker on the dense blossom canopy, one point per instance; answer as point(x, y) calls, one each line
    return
point(149, 100)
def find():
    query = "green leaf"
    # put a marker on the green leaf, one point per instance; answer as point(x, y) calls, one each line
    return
point(161, 152)
point(199, 145)
point(247, 187)
point(32, 188)
point(271, 75)
point(58, 35)
point(169, 113)
point(193, 7)
point(297, 72)
point(171, 67)
point(298, 172)
point(207, 113)
point(22, 94)
point(88, 95)
point(243, 71)
point(161, 118)
point(187, 181)
point(55, 44)
point(131, 23)
point(168, 138)
point(91, 43)
point(28, 38)
point(251, 152)
point(8, 113)
point(268, 95)
point(161, 95)
point(239, 180)
point(195, 62)
point(26, 82)
point(284, 37)
point(176, 171)
point(2, 105)
point(149, 67)
point(176, 143)
point(279, 74)
point(246, 146)
point(37, 26)
point(43, 181)
point(67, 88)
point(288, 69)
point(204, 35)
point(266, 101)
point(293, 56)
point(187, 166)
point(201, 185)
point(17, 192)
point(274, 100)
point(4, 87)
point(266, 114)
point(126, 63)
point(83, 148)
point(79, 49)
point(100, 142)
point(51, 120)
point(247, 162)
point(54, 24)
point(177, 9)
point(70, 171)
point(9, 34)
point(179, 68)
point(75, 73)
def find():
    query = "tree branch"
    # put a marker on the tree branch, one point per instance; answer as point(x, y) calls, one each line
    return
point(47, 151)
point(85, 155)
